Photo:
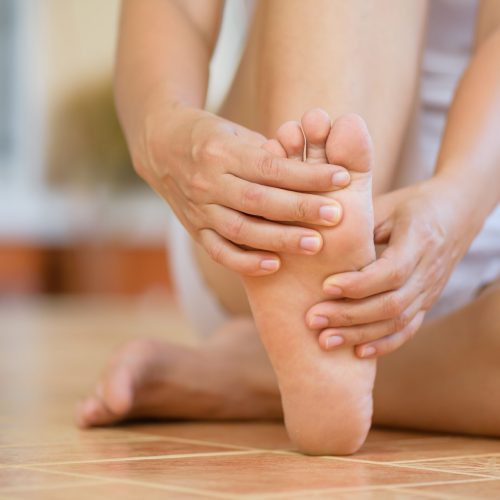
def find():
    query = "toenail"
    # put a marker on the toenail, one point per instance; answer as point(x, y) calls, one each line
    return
point(318, 322)
point(334, 341)
point(269, 264)
point(329, 213)
point(310, 243)
point(368, 351)
point(341, 179)
point(333, 291)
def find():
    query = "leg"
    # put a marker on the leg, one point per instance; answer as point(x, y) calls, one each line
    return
point(368, 45)
point(446, 379)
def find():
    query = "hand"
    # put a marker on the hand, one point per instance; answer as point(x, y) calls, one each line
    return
point(382, 306)
point(228, 192)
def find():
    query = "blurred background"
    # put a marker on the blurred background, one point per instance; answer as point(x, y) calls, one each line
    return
point(74, 217)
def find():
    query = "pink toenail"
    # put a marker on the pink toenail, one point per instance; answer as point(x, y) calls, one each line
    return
point(310, 243)
point(334, 341)
point(329, 213)
point(318, 322)
point(341, 179)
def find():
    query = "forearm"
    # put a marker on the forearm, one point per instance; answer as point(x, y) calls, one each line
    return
point(469, 160)
point(163, 57)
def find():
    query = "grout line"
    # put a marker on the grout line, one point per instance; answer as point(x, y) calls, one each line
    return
point(427, 494)
point(147, 484)
point(55, 486)
point(131, 439)
point(409, 466)
point(457, 457)
point(354, 489)
point(211, 443)
point(139, 459)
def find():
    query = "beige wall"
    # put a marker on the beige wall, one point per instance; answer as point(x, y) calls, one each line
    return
point(78, 43)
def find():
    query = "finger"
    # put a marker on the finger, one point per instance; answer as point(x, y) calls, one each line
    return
point(384, 306)
point(260, 166)
point(277, 204)
point(331, 338)
point(258, 233)
point(392, 342)
point(395, 265)
point(247, 262)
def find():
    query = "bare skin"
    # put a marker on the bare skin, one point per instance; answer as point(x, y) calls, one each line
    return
point(333, 391)
point(159, 379)
point(429, 404)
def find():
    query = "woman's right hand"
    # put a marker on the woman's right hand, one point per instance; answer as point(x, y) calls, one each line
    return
point(229, 193)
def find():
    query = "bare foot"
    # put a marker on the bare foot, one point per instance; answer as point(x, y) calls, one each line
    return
point(228, 378)
point(327, 397)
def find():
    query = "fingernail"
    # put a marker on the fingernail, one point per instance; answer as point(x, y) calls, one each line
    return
point(368, 351)
point(341, 179)
point(269, 264)
point(329, 213)
point(333, 290)
point(310, 243)
point(318, 322)
point(333, 341)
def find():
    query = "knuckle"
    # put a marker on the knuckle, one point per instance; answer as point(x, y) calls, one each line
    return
point(401, 322)
point(392, 306)
point(301, 208)
point(398, 276)
point(197, 186)
point(344, 318)
point(252, 196)
point(206, 150)
point(235, 227)
point(216, 253)
point(268, 167)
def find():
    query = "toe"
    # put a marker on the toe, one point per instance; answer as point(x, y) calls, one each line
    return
point(349, 144)
point(274, 147)
point(93, 412)
point(117, 392)
point(291, 139)
point(316, 124)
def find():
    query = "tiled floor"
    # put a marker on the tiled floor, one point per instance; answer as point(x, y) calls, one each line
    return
point(50, 354)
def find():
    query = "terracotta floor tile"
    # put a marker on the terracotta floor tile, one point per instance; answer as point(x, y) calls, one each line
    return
point(488, 465)
point(99, 451)
point(110, 491)
point(424, 447)
point(15, 434)
point(480, 490)
point(269, 436)
point(374, 494)
point(39, 341)
point(11, 477)
point(258, 473)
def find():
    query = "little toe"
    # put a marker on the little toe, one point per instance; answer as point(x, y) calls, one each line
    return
point(349, 144)
point(291, 138)
point(316, 124)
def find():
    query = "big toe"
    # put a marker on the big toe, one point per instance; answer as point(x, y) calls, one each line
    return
point(316, 124)
point(111, 403)
point(93, 412)
point(349, 144)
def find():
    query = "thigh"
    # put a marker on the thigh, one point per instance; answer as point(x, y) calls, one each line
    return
point(446, 379)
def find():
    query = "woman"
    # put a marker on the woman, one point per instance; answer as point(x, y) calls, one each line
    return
point(298, 227)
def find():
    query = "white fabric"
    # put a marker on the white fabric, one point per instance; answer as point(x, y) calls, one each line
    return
point(448, 48)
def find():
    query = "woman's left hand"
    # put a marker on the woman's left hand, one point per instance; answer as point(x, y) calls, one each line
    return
point(427, 229)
